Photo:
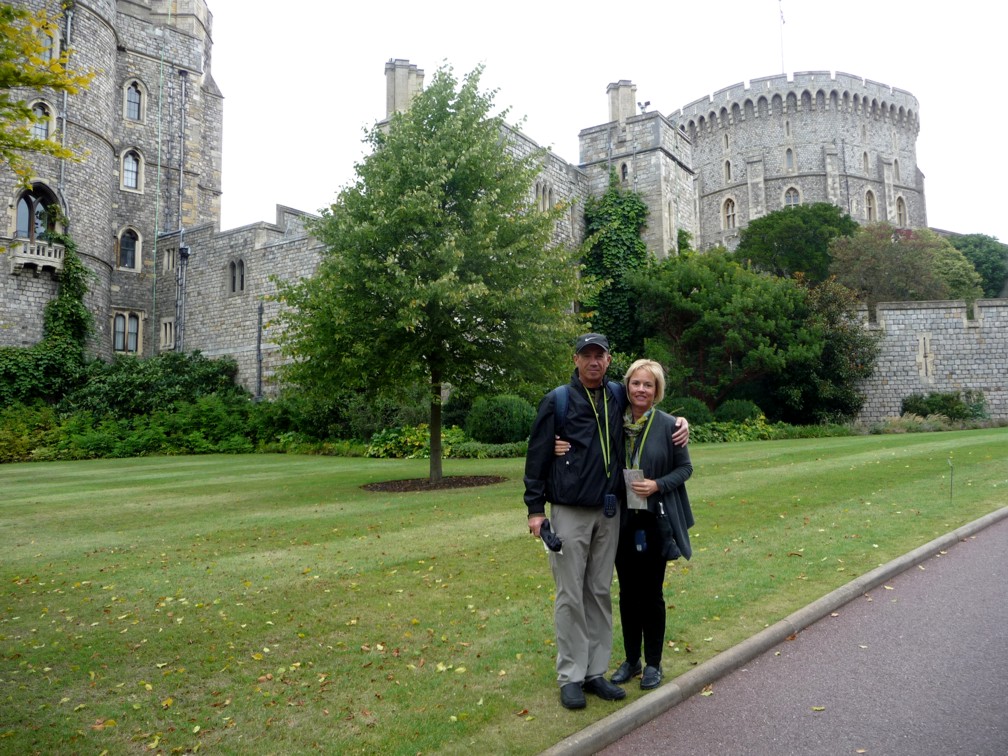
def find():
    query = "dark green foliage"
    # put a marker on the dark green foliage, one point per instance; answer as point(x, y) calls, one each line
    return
point(724, 332)
point(47, 371)
point(968, 405)
point(694, 410)
point(614, 248)
point(795, 240)
point(989, 258)
point(822, 384)
point(737, 411)
point(500, 419)
point(128, 387)
point(684, 241)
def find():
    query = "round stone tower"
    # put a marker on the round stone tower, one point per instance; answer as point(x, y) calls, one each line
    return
point(816, 137)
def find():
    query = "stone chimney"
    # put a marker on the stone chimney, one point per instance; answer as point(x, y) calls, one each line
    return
point(622, 100)
point(402, 83)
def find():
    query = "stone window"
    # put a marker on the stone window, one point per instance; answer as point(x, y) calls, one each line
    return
point(236, 276)
point(728, 215)
point(726, 141)
point(869, 207)
point(791, 197)
point(168, 260)
point(624, 173)
point(901, 213)
point(126, 332)
point(727, 171)
point(789, 162)
point(864, 163)
point(42, 125)
point(167, 334)
point(128, 250)
point(32, 217)
point(134, 102)
point(50, 48)
point(132, 171)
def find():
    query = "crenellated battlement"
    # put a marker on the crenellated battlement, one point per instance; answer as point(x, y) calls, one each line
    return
point(804, 90)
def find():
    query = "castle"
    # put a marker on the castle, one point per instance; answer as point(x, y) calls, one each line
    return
point(144, 203)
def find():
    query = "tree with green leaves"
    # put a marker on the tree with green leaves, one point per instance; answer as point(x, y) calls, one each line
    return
point(724, 331)
point(614, 248)
point(886, 264)
point(795, 240)
point(438, 269)
point(722, 326)
point(28, 62)
point(989, 258)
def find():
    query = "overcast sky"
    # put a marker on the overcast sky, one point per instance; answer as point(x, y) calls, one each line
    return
point(302, 85)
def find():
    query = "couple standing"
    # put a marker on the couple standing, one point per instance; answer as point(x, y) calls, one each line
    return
point(578, 466)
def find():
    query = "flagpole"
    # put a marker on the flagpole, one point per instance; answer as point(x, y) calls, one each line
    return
point(781, 8)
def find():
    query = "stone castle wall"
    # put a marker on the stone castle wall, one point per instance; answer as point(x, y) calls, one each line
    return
point(935, 347)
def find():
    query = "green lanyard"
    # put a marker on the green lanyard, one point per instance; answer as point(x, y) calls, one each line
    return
point(607, 446)
point(640, 446)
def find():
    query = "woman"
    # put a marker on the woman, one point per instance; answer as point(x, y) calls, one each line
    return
point(651, 536)
point(654, 534)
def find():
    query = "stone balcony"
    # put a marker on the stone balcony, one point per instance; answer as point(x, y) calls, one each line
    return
point(38, 255)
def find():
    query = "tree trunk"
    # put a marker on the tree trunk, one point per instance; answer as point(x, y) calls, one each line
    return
point(435, 427)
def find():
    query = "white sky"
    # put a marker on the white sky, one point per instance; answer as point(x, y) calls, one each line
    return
point(302, 85)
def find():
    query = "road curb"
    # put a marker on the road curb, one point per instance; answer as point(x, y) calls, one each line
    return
point(608, 730)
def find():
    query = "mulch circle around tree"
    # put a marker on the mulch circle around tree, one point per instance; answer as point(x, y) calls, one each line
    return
point(424, 484)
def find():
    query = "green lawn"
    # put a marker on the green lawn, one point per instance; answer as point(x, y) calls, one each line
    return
point(269, 605)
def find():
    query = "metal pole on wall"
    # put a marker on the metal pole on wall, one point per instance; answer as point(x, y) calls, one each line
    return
point(180, 300)
point(259, 356)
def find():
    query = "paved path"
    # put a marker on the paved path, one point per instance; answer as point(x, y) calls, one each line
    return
point(911, 659)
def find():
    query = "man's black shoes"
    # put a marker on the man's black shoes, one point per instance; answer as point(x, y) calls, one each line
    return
point(604, 689)
point(572, 696)
point(624, 673)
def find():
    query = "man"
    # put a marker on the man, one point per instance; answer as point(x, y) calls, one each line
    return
point(576, 485)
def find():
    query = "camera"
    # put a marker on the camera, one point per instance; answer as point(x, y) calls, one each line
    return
point(551, 539)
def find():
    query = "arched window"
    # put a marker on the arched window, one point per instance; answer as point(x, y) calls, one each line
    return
point(728, 214)
point(624, 172)
point(32, 218)
point(126, 332)
point(901, 213)
point(864, 162)
point(129, 250)
point(726, 141)
point(791, 197)
point(43, 120)
point(134, 102)
point(789, 159)
point(869, 206)
point(236, 276)
point(727, 171)
point(895, 168)
point(132, 171)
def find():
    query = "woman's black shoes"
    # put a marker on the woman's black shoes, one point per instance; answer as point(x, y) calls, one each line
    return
point(651, 678)
point(625, 672)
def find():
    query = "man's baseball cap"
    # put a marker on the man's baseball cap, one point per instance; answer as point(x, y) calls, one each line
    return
point(590, 339)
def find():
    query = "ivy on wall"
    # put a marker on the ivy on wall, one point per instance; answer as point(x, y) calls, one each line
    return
point(614, 248)
point(48, 370)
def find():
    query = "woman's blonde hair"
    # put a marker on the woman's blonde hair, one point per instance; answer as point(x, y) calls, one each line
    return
point(657, 372)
